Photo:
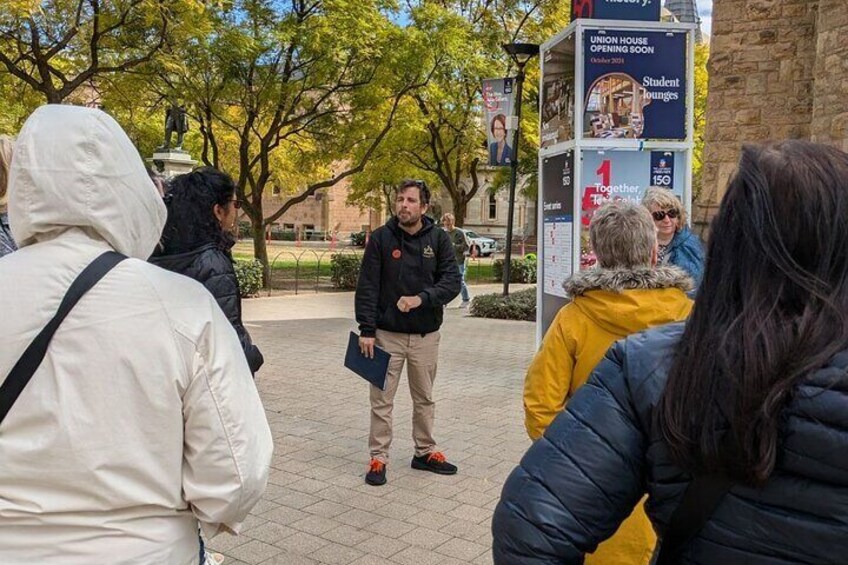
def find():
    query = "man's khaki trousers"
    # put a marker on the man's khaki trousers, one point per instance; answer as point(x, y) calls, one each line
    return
point(421, 353)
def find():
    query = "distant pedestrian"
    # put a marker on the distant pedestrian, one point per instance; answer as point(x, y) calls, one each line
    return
point(626, 293)
point(408, 275)
point(7, 242)
point(142, 420)
point(197, 239)
point(678, 245)
point(460, 248)
point(733, 423)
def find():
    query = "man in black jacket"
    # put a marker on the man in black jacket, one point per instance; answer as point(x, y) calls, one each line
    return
point(408, 275)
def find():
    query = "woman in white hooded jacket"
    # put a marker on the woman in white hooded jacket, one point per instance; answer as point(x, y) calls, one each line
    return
point(143, 419)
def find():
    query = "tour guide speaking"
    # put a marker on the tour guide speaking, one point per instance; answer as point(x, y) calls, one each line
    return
point(408, 275)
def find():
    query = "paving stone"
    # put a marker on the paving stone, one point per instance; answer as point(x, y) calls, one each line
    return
point(254, 551)
point(270, 532)
point(302, 543)
point(461, 549)
point(347, 535)
point(425, 538)
point(381, 545)
point(336, 554)
point(316, 525)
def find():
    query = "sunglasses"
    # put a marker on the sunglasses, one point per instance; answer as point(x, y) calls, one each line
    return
point(661, 214)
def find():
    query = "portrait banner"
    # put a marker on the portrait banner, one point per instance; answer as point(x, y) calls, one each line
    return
point(499, 104)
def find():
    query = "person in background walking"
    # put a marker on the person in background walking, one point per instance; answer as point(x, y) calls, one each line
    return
point(7, 242)
point(142, 419)
point(196, 242)
point(460, 249)
point(678, 245)
point(408, 275)
point(734, 423)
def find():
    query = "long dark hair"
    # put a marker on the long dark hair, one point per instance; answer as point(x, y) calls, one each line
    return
point(191, 220)
point(772, 308)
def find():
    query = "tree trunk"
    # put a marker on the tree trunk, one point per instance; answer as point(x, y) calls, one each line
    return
point(460, 207)
point(260, 249)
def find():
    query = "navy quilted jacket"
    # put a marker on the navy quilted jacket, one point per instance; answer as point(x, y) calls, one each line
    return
point(602, 454)
point(213, 268)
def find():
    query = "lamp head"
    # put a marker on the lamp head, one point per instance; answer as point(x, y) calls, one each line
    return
point(521, 52)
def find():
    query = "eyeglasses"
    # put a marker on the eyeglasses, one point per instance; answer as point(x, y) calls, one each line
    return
point(236, 203)
point(660, 215)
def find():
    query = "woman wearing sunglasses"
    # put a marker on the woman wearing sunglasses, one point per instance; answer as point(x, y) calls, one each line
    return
point(677, 244)
point(196, 242)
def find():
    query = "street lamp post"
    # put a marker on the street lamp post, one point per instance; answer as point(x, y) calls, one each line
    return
point(520, 53)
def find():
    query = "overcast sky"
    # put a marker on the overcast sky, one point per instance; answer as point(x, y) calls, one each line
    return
point(705, 7)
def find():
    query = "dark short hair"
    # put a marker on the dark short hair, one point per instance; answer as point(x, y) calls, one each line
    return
point(498, 118)
point(423, 191)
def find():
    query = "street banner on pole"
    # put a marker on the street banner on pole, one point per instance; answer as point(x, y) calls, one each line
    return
point(635, 84)
point(499, 104)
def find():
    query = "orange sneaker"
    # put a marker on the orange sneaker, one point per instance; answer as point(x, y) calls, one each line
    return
point(435, 463)
point(376, 474)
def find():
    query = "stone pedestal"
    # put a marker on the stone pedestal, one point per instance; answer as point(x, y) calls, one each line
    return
point(172, 163)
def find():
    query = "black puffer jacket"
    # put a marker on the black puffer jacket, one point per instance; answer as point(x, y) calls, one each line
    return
point(213, 268)
point(576, 484)
point(398, 264)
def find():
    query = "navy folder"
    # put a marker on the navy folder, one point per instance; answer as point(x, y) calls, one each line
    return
point(372, 370)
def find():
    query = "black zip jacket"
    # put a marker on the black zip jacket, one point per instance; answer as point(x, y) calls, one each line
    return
point(212, 267)
point(398, 264)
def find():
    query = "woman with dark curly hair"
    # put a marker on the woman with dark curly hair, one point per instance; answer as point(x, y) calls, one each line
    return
point(196, 242)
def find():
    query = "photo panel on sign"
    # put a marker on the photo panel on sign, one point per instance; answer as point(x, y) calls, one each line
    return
point(557, 93)
point(634, 84)
point(624, 175)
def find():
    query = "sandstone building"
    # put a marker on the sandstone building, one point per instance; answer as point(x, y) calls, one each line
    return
point(778, 70)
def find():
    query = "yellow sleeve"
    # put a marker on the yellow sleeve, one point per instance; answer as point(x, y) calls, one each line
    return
point(549, 377)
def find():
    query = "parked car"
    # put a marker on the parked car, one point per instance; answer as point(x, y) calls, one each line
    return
point(486, 245)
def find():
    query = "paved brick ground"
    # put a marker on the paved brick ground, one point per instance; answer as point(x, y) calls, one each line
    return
point(317, 509)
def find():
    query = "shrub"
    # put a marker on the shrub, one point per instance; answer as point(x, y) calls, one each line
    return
point(531, 257)
point(344, 270)
point(521, 271)
point(244, 230)
point(282, 235)
point(519, 305)
point(249, 276)
point(358, 239)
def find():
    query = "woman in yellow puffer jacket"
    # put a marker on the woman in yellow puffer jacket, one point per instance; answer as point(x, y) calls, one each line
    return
point(625, 294)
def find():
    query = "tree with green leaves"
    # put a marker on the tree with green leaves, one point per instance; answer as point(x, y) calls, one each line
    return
point(57, 47)
point(287, 97)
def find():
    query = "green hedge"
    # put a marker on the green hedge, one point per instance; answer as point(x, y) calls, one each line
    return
point(345, 270)
point(522, 270)
point(357, 239)
point(249, 276)
point(519, 305)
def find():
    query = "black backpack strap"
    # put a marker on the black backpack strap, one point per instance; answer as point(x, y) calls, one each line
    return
point(700, 500)
point(26, 366)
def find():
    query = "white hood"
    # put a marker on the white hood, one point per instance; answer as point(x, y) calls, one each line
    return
point(75, 167)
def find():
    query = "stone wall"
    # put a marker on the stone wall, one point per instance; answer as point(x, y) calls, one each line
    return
point(778, 70)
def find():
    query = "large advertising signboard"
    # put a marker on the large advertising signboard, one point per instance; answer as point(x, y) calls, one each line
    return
point(644, 10)
point(635, 85)
point(558, 230)
point(557, 96)
point(499, 100)
point(622, 175)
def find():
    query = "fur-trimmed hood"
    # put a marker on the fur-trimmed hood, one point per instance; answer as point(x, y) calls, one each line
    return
point(617, 280)
point(619, 302)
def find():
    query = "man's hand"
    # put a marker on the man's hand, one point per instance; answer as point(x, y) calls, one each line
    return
point(366, 346)
point(407, 303)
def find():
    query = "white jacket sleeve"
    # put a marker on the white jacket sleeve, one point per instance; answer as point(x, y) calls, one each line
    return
point(228, 444)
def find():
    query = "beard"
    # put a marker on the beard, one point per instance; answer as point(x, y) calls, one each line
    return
point(410, 220)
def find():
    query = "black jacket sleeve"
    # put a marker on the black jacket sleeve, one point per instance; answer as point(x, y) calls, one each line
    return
point(576, 484)
point(222, 283)
point(448, 280)
point(367, 295)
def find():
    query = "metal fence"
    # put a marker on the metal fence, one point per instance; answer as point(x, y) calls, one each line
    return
point(310, 270)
